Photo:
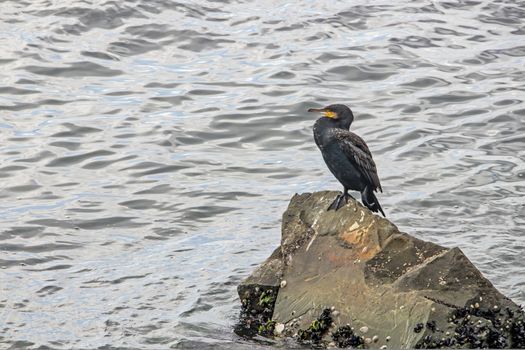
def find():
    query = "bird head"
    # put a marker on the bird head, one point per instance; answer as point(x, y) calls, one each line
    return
point(340, 114)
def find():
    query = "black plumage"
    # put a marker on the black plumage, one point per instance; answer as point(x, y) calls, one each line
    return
point(347, 156)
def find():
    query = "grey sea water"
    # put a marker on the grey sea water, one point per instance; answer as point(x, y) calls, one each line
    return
point(148, 149)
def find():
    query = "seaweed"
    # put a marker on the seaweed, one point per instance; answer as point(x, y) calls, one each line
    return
point(256, 314)
point(266, 329)
point(266, 299)
point(317, 329)
point(344, 337)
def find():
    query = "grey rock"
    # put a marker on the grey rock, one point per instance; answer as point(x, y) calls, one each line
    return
point(376, 277)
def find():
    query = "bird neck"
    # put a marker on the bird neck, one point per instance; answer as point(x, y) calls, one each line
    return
point(322, 136)
point(330, 123)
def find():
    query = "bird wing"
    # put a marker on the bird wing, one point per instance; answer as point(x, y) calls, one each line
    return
point(358, 153)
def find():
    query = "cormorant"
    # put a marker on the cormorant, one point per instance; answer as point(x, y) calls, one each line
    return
point(347, 156)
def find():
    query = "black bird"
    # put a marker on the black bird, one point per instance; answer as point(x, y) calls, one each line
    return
point(347, 156)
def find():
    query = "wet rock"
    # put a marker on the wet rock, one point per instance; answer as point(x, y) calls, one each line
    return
point(258, 294)
point(408, 292)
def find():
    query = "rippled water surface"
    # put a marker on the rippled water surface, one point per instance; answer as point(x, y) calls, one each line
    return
point(148, 149)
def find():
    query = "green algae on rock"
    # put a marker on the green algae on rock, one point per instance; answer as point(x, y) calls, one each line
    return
point(345, 337)
point(404, 291)
point(319, 327)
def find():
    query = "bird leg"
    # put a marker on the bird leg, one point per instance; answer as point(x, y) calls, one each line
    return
point(338, 202)
point(335, 203)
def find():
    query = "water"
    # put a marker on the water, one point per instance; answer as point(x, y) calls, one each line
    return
point(149, 148)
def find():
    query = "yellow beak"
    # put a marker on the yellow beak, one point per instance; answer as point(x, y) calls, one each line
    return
point(326, 113)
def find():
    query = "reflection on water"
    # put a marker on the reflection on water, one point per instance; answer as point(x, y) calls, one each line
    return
point(148, 149)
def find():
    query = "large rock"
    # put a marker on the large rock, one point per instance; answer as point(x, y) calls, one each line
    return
point(391, 289)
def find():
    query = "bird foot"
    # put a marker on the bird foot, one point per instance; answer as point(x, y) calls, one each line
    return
point(339, 201)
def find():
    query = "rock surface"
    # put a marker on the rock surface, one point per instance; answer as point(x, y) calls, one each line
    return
point(352, 279)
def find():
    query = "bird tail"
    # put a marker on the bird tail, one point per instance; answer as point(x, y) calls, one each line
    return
point(370, 201)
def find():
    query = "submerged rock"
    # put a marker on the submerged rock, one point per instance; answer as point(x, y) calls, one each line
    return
point(351, 270)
